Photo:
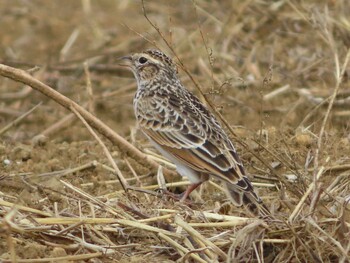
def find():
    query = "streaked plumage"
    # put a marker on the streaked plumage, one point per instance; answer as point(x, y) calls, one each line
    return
point(182, 128)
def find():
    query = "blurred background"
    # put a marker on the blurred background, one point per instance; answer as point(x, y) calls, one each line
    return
point(238, 51)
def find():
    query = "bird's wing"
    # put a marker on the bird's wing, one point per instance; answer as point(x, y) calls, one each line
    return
point(183, 127)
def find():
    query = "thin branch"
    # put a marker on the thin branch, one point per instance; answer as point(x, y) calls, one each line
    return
point(19, 119)
point(120, 176)
point(339, 78)
point(23, 77)
point(209, 103)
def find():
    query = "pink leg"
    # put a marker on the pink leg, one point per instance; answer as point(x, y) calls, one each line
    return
point(188, 191)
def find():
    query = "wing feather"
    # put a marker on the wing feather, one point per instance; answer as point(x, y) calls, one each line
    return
point(191, 135)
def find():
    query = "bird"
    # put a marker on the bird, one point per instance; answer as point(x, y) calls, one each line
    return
point(183, 129)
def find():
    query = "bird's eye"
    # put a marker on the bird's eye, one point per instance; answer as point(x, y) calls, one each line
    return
point(142, 60)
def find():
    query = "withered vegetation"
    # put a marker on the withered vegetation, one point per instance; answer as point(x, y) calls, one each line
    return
point(84, 187)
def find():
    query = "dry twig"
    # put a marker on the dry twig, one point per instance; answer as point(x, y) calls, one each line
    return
point(132, 151)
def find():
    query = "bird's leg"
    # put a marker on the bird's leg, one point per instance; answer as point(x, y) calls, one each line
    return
point(183, 196)
point(188, 191)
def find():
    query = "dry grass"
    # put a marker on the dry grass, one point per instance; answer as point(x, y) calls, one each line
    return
point(275, 73)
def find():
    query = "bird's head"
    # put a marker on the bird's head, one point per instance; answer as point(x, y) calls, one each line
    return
point(150, 65)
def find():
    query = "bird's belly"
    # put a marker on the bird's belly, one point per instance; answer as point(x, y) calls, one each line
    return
point(182, 169)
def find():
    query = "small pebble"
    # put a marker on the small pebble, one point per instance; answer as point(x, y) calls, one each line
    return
point(304, 139)
point(39, 140)
point(7, 162)
point(291, 177)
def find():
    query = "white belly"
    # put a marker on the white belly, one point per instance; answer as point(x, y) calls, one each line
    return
point(182, 169)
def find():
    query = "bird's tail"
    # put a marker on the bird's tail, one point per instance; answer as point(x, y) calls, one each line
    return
point(242, 193)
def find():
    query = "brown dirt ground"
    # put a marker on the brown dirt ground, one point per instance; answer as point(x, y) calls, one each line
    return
point(254, 48)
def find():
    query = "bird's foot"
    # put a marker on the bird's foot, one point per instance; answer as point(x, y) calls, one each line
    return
point(177, 197)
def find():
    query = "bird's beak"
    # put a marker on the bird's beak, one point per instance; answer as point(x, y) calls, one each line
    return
point(125, 61)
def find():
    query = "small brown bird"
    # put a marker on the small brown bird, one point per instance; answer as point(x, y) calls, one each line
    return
point(183, 130)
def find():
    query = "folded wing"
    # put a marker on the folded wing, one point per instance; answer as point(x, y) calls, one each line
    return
point(190, 133)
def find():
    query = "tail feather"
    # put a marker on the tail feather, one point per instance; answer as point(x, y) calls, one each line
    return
point(243, 193)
